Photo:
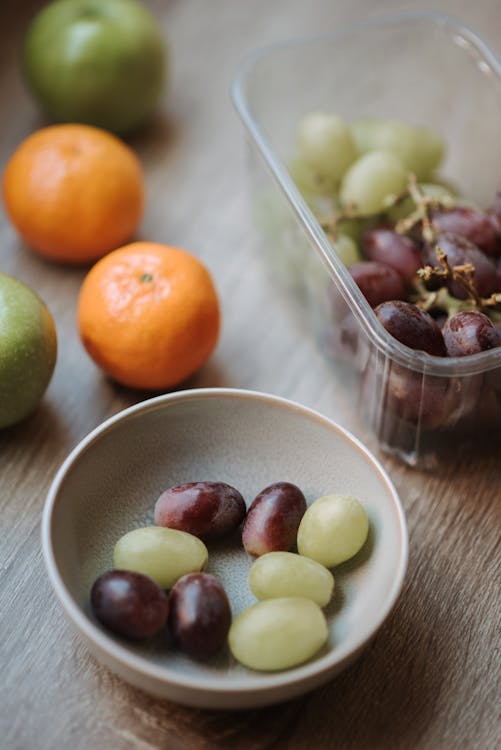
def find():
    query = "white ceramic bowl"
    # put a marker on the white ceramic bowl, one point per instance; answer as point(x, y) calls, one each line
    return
point(109, 483)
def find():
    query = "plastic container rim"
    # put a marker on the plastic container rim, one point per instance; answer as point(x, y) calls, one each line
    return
point(401, 354)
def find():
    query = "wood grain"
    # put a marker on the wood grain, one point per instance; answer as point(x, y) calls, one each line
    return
point(429, 679)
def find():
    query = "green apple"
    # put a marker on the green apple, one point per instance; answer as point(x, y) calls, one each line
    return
point(100, 62)
point(28, 350)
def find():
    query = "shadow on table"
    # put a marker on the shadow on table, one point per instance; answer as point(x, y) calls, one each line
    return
point(158, 135)
point(212, 375)
point(384, 700)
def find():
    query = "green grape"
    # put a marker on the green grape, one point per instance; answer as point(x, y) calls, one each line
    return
point(353, 228)
point(162, 554)
point(278, 633)
point(420, 149)
point(347, 250)
point(279, 574)
point(370, 180)
point(407, 206)
point(393, 136)
point(429, 151)
point(326, 144)
point(450, 188)
point(310, 181)
point(445, 183)
point(364, 131)
point(356, 227)
point(396, 137)
point(333, 529)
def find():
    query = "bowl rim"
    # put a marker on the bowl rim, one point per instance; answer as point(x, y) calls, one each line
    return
point(416, 360)
point(160, 674)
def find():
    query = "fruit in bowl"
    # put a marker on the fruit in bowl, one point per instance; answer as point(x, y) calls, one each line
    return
point(287, 626)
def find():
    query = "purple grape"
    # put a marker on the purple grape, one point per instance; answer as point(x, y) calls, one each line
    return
point(395, 250)
point(129, 604)
point(495, 211)
point(205, 509)
point(494, 215)
point(497, 202)
point(200, 615)
point(498, 275)
point(411, 326)
point(273, 519)
point(495, 220)
point(475, 226)
point(416, 398)
point(439, 317)
point(348, 336)
point(341, 333)
point(469, 332)
point(378, 282)
point(460, 251)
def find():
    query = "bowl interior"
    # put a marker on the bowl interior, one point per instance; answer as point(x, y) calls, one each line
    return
point(110, 483)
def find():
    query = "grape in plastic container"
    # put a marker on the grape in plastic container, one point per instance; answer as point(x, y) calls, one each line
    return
point(421, 68)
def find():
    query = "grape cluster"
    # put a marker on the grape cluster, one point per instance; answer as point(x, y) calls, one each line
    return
point(286, 627)
point(425, 260)
point(418, 315)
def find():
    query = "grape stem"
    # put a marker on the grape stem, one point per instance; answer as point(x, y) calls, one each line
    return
point(442, 299)
point(422, 214)
point(329, 224)
point(462, 274)
point(439, 300)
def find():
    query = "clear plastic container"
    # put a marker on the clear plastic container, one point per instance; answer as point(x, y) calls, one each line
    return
point(421, 68)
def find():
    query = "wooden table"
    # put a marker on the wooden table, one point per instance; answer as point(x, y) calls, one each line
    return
point(429, 679)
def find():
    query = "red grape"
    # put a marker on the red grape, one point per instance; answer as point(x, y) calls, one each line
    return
point(494, 215)
point(469, 223)
point(129, 604)
point(469, 332)
point(378, 282)
point(395, 250)
point(430, 401)
point(205, 509)
point(200, 615)
point(460, 251)
point(411, 326)
point(498, 275)
point(273, 519)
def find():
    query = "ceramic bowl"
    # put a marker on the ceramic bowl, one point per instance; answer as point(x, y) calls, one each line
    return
point(109, 483)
